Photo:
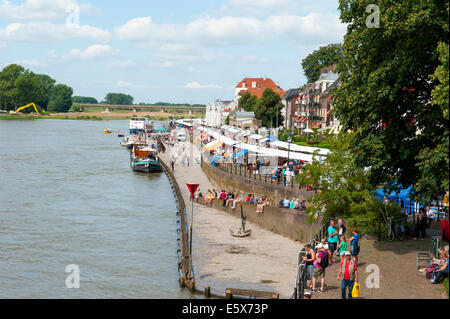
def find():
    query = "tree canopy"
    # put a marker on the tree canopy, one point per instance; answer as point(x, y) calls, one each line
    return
point(385, 95)
point(119, 99)
point(84, 99)
point(19, 87)
point(61, 98)
point(247, 102)
point(324, 56)
point(267, 107)
point(345, 187)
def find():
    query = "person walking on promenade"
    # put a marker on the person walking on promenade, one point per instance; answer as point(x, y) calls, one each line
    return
point(342, 248)
point(320, 264)
point(421, 227)
point(332, 240)
point(341, 231)
point(429, 216)
point(309, 259)
point(354, 245)
point(349, 269)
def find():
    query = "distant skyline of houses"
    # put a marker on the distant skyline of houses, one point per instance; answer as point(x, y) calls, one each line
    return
point(306, 107)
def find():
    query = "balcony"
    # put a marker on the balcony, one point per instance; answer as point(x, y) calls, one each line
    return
point(315, 118)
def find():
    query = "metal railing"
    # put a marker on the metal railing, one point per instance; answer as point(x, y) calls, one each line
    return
point(243, 171)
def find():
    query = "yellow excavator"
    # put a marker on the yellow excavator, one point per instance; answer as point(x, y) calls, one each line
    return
point(24, 107)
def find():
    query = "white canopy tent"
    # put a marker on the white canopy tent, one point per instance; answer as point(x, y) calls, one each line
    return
point(300, 148)
point(274, 152)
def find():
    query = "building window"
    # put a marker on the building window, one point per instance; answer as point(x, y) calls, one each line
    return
point(253, 84)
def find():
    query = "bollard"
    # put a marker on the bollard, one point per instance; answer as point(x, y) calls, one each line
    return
point(182, 282)
point(208, 291)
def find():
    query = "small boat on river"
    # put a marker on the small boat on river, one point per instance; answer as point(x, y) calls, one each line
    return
point(145, 159)
point(107, 131)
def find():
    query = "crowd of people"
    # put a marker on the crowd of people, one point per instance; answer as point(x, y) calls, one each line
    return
point(325, 252)
point(230, 199)
point(294, 203)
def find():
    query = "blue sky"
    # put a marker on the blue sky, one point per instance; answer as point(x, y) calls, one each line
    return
point(172, 50)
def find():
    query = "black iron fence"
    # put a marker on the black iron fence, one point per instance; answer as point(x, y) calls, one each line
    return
point(246, 172)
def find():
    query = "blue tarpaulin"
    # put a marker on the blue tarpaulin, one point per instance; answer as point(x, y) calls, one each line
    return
point(272, 139)
point(241, 153)
point(403, 194)
point(214, 159)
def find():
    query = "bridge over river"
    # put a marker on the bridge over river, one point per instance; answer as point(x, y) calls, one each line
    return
point(156, 108)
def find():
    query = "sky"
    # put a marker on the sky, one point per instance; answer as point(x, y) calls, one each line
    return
point(175, 51)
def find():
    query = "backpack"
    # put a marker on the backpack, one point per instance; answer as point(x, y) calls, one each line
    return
point(324, 262)
point(430, 270)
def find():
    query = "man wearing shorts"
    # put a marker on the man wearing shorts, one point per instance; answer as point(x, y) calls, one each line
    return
point(332, 241)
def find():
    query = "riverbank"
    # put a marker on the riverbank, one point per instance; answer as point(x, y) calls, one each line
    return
point(264, 261)
point(99, 116)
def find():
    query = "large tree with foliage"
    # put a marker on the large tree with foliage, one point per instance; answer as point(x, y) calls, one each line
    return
point(84, 99)
point(324, 56)
point(8, 92)
point(345, 187)
point(247, 101)
point(119, 99)
point(385, 92)
point(46, 83)
point(267, 107)
point(60, 98)
point(28, 89)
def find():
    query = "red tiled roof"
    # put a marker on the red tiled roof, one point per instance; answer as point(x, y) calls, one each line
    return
point(261, 85)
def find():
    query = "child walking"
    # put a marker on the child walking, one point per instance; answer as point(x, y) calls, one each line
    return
point(342, 247)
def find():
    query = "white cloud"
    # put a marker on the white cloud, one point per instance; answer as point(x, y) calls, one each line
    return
point(120, 64)
point(95, 51)
point(36, 10)
point(123, 83)
point(47, 32)
point(234, 30)
point(196, 85)
point(30, 63)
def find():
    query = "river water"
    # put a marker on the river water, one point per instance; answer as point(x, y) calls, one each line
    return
point(69, 196)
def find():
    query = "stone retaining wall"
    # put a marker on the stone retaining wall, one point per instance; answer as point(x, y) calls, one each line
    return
point(286, 222)
point(232, 182)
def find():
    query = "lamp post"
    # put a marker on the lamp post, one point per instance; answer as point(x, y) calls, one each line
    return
point(289, 139)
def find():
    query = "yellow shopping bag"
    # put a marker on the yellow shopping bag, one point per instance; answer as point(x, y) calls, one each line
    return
point(356, 291)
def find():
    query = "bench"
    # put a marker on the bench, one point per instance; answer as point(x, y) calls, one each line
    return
point(424, 256)
point(229, 292)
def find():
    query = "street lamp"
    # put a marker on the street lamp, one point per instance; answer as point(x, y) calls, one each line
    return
point(289, 139)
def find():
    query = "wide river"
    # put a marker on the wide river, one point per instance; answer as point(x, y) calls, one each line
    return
point(68, 196)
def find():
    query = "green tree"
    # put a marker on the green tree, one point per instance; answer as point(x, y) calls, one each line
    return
point(119, 99)
point(28, 89)
point(385, 92)
point(60, 98)
point(345, 187)
point(84, 99)
point(324, 56)
point(267, 108)
point(8, 92)
point(46, 83)
point(247, 102)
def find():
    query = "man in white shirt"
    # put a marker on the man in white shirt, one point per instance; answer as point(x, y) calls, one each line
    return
point(429, 216)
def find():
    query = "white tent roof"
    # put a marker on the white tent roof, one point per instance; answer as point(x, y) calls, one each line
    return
point(300, 148)
point(256, 136)
point(221, 138)
point(275, 152)
point(233, 130)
